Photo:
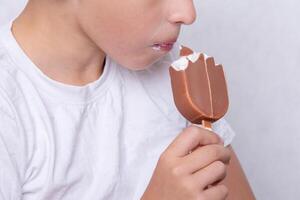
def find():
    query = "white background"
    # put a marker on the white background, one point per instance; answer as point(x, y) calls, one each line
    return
point(258, 42)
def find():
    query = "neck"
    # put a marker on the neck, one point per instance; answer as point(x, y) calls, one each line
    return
point(55, 43)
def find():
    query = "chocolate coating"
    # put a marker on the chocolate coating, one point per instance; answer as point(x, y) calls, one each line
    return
point(200, 91)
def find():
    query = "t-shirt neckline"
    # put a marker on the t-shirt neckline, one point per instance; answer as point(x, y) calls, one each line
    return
point(56, 90)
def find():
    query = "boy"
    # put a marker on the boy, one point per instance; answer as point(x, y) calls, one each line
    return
point(86, 109)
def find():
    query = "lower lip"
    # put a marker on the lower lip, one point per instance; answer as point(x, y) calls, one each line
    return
point(162, 47)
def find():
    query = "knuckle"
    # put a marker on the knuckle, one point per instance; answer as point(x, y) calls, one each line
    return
point(190, 188)
point(176, 171)
point(186, 185)
point(169, 166)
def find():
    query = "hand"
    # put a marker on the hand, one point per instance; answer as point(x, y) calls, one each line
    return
point(190, 168)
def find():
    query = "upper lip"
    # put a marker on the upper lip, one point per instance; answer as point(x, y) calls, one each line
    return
point(171, 41)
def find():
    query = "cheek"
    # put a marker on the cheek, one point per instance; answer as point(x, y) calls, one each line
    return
point(129, 47)
point(123, 32)
point(113, 23)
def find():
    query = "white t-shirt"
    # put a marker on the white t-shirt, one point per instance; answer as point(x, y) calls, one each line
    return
point(92, 142)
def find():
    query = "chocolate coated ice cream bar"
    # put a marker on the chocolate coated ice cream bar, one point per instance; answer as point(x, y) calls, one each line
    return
point(199, 87)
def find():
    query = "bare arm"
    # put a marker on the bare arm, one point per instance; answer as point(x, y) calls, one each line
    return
point(236, 181)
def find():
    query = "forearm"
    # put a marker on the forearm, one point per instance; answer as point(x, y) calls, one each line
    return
point(236, 181)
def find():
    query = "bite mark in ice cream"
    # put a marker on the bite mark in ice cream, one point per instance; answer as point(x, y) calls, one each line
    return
point(183, 61)
point(199, 87)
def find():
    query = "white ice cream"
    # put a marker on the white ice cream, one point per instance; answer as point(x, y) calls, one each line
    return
point(183, 61)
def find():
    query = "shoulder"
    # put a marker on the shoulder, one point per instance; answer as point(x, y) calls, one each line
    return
point(8, 67)
point(8, 94)
point(12, 136)
point(9, 76)
point(7, 83)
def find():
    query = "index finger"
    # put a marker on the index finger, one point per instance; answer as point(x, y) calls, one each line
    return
point(190, 138)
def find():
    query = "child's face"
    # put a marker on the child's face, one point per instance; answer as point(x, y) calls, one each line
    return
point(126, 29)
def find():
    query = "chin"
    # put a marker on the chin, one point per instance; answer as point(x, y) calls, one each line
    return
point(141, 64)
point(137, 68)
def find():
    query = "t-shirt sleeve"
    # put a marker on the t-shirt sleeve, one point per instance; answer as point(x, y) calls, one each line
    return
point(10, 157)
point(224, 130)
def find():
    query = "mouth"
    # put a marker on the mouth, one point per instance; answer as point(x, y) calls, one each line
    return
point(163, 46)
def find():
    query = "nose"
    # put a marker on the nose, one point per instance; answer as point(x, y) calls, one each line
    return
point(182, 12)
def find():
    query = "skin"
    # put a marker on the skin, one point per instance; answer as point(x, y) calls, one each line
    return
point(125, 30)
point(90, 29)
point(236, 180)
point(197, 166)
